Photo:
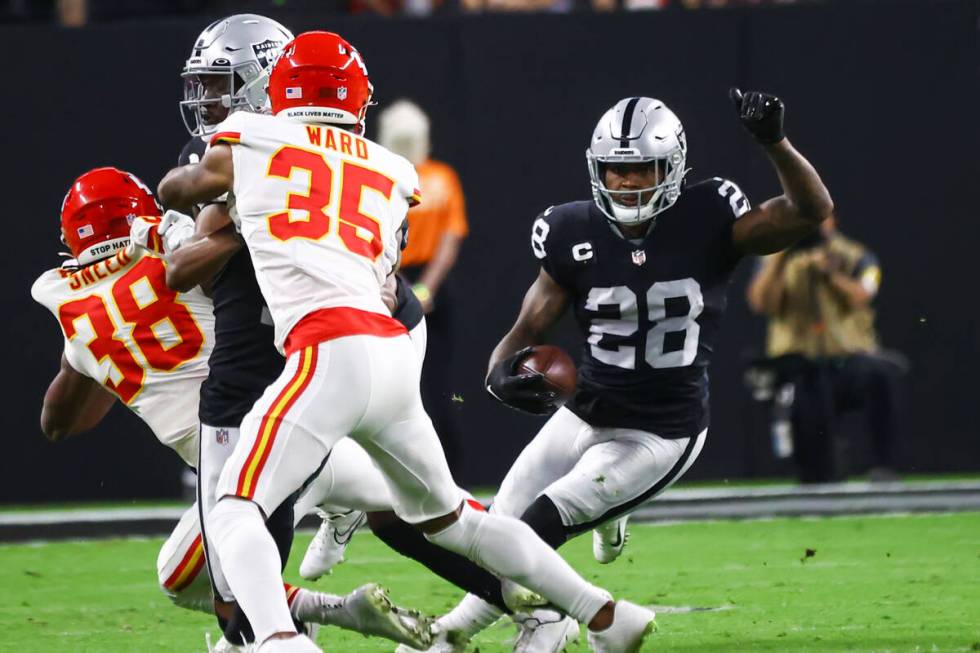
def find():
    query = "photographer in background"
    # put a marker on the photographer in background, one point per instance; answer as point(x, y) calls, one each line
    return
point(818, 297)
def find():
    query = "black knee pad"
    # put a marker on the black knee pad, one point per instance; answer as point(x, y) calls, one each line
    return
point(544, 518)
point(280, 526)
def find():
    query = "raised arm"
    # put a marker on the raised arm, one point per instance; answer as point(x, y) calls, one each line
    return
point(780, 221)
point(74, 403)
point(197, 183)
point(544, 303)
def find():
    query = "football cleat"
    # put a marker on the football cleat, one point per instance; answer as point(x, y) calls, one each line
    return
point(544, 631)
point(631, 625)
point(328, 545)
point(519, 598)
point(369, 611)
point(609, 540)
point(443, 641)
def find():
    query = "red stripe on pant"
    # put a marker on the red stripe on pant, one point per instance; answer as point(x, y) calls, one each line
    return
point(248, 477)
point(179, 580)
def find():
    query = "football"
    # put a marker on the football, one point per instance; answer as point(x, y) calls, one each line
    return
point(556, 366)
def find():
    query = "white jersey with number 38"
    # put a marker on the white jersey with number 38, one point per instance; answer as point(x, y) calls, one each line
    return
point(320, 209)
point(143, 342)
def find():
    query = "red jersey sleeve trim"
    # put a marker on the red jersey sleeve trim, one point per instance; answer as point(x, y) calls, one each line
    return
point(226, 137)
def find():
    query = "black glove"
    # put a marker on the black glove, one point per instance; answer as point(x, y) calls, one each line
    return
point(760, 113)
point(524, 391)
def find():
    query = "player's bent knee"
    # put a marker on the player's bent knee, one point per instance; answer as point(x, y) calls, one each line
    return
point(182, 577)
point(228, 510)
point(582, 508)
point(194, 596)
point(545, 519)
point(181, 570)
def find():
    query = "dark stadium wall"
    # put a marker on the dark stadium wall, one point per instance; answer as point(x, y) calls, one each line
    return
point(882, 97)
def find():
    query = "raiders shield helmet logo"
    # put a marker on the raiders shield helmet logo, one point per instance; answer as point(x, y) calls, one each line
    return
point(266, 51)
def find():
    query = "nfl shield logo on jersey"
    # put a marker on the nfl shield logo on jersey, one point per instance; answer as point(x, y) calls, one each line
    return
point(639, 257)
point(221, 436)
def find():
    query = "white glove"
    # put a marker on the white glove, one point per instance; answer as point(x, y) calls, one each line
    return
point(161, 235)
point(176, 228)
point(143, 233)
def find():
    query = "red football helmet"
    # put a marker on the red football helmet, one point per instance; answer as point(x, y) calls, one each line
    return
point(320, 77)
point(98, 210)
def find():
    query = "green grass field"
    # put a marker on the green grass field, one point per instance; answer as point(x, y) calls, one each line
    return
point(902, 583)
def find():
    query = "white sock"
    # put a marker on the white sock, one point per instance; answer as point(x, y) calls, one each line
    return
point(251, 563)
point(313, 607)
point(470, 616)
point(509, 548)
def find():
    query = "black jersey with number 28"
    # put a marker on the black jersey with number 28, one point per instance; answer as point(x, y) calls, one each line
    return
point(649, 310)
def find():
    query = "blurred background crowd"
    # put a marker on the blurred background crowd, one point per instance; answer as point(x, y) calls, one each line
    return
point(76, 13)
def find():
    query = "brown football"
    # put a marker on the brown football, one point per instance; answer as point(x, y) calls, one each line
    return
point(556, 366)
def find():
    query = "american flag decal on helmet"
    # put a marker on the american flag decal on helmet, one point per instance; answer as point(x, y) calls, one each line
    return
point(85, 231)
point(294, 92)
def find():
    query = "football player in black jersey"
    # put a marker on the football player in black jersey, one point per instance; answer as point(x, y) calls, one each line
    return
point(645, 267)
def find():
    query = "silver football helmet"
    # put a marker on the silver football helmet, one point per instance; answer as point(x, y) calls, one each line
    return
point(244, 47)
point(638, 130)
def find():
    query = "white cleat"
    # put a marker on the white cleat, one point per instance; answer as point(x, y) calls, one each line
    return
point(328, 545)
point(519, 598)
point(442, 642)
point(298, 644)
point(544, 631)
point(631, 625)
point(609, 540)
point(369, 611)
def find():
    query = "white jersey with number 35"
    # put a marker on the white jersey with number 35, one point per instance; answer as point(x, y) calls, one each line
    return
point(320, 209)
point(143, 342)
